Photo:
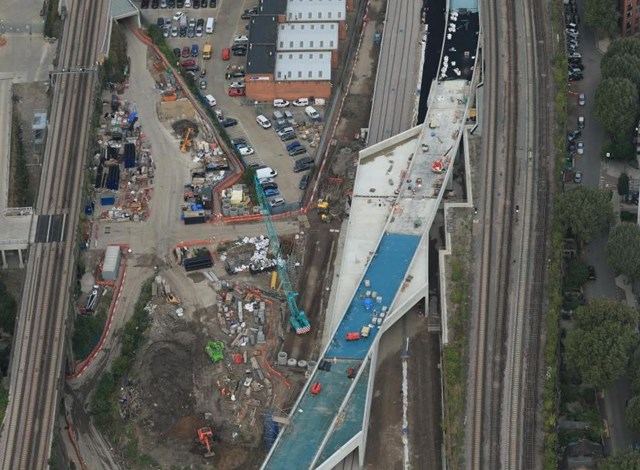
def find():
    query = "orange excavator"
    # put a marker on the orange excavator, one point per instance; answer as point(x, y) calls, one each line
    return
point(205, 436)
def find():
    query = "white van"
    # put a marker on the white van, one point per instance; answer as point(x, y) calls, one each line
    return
point(311, 112)
point(211, 100)
point(266, 172)
point(211, 24)
point(263, 121)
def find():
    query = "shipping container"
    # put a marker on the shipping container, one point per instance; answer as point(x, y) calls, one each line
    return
point(107, 200)
point(202, 261)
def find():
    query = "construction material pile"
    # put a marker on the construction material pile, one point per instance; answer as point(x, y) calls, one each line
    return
point(249, 254)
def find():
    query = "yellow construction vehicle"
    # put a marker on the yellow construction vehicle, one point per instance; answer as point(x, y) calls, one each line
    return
point(186, 142)
point(323, 210)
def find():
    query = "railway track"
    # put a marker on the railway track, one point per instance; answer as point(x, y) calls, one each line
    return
point(497, 218)
point(38, 347)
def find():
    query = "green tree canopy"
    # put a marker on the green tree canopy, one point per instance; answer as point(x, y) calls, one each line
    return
point(623, 249)
point(598, 347)
point(621, 66)
point(585, 212)
point(601, 15)
point(577, 274)
point(633, 370)
point(8, 310)
point(626, 461)
point(629, 45)
point(623, 184)
point(616, 105)
point(632, 414)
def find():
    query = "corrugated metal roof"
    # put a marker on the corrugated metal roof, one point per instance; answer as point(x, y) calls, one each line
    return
point(316, 10)
point(307, 36)
point(111, 258)
point(296, 66)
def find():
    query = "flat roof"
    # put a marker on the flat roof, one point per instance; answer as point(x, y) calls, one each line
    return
point(273, 7)
point(460, 45)
point(316, 10)
point(307, 36)
point(16, 228)
point(296, 66)
point(123, 9)
point(261, 58)
point(263, 30)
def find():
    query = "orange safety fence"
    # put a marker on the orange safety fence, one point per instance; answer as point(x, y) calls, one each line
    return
point(72, 438)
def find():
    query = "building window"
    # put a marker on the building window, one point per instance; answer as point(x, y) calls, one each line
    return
point(322, 26)
point(301, 26)
point(321, 44)
point(290, 15)
point(289, 74)
point(320, 15)
point(301, 43)
point(299, 56)
point(321, 56)
point(331, 44)
point(290, 56)
point(281, 27)
point(290, 44)
point(310, 43)
point(310, 74)
point(339, 15)
point(329, 15)
point(319, 73)
point(279, 75)
point(313, 26)
point(309, 15)
point(281, 45)
point(629, 13)
point(299, 73)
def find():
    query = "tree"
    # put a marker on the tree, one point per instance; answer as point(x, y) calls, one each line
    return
point(602, 16)
point(626, 461)
point(629, 45)
point(616, 105)
point(632, 414)
point(585, 213)
point(623, 184)
point(623, 249)
point(598, 348)
point(577, 274)
point(633, 370)
point(622, 66)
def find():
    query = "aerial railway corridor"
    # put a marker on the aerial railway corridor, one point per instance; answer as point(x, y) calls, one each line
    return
point(37, 351)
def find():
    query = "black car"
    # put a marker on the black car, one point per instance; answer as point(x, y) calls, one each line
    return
point(298, 151)
point(571, 146)
point(171, 3)
point(160, 22)
point(592, 273)
point(575, 77)
point(200, 22)
point(240, 52)
point(237, 47)
point(266, 186)
point(229, 122)
point(252, 10)
point(213, 3)
point(235, 75)
point(246, 16)
point(577, 65)
point(573, 135)
point(183, 31)
point(288, 136)
point(144, 4)
point(255, 166)
point(180, 4)
point(155, 4)
point(304, 182)
point(239, 141)
point(303, 164)
point(196, 4)
point(177, 52)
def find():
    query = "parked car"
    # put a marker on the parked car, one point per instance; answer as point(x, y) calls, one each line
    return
point(246, 16)
point(297, 151)
point(573, 135)
point(194, 50)
point(243, 39)
point(174, 32)
point(229, 122)
point(186, 52)
point(236, 47)
point(226, 54)
point(284, 130)
point(303, 164)
point(244, 151)
point(144, 4)
point(188, 63)
point(293, 145)
point(199, 31)
point(236, 91)
point(304, 182)
point(582, 99)
point(183, 32)
point(236, 74)
point(271, 192)
point(276, 202)
point(237, 85)
point(240, 52)
point(266, 185)
point(592, 273)
point(239, 141)
point(581, 122)
point(263, 121)
point(311, 112)
point(203, 84)
point(288, 136)
point(191, 32)
point(301, 102)
point(580, 148)
point(213, 3)
point(278, 103)
point(160, 22)
point(577, 177)
point(177, 52)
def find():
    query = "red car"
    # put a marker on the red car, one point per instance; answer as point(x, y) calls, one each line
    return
point(226, 54)
point(186, 52)
point(188, 63)
point(353, 336)
point(236, 92)
point(316, 388)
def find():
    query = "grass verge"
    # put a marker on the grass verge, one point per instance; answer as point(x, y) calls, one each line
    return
point(454, 370)
point(20, 192)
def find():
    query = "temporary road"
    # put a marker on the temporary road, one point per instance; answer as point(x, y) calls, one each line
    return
point(37, 354)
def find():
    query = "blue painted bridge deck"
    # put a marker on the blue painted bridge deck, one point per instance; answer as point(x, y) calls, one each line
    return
point(314, 414)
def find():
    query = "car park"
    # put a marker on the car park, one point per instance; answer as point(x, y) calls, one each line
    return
point(229, 122)
point(301, 102)
point(304, 182)
point(263, 121)
point(297, 151)
point(580, 148)
point(236, 91)
point(582, 100)
point(278, 103)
